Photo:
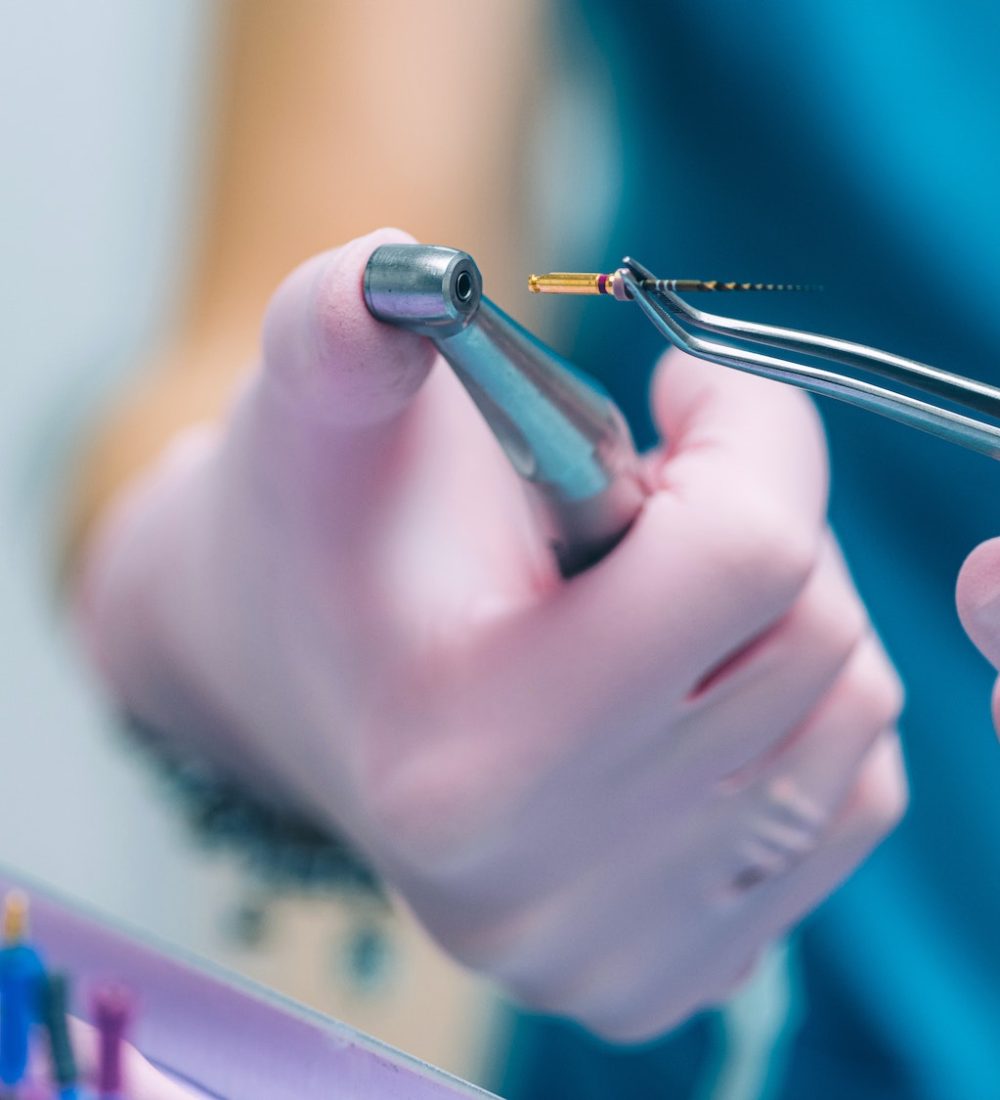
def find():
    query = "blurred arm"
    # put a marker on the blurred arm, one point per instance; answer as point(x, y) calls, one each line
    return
point(332, 118)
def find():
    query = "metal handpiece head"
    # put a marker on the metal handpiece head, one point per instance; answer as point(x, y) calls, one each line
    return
point(429, 289)
point(563, 434)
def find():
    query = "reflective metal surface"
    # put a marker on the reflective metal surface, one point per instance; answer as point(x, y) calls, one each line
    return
point(562, 433)
point(665, 310)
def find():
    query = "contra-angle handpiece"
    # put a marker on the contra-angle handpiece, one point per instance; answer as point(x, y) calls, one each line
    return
point(563, 434)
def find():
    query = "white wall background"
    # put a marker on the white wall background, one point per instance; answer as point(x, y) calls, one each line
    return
point(99, 128)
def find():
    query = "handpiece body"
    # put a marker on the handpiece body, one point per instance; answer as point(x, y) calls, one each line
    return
point(562, 433)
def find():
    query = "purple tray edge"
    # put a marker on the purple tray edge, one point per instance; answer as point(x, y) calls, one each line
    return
point(222, 1033)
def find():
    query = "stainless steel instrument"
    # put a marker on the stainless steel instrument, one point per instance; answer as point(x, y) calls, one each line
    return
point(562, 433)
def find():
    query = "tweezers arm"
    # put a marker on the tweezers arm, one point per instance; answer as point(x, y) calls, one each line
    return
point(979, 396)
point(948, 425)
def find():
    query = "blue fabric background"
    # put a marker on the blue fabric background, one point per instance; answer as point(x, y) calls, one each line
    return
point(856, 146)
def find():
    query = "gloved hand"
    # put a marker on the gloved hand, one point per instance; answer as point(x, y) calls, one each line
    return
point(608, 794)
point(978, 599)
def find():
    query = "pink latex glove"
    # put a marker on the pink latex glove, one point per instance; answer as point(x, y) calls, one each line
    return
point(978, 599)
point(608, 794)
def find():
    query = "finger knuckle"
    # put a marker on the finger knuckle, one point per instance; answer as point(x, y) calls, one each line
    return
point(628, 1018)
point(408, 815)
point(422, 809)
point(882, 794)
point(763, 545)
point(874, 685)
point(833, 620)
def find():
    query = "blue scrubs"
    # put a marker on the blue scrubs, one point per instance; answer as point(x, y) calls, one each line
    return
point(856, 146)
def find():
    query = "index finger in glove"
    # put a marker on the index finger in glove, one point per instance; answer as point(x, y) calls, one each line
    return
point(325, 424)
point(725, 429)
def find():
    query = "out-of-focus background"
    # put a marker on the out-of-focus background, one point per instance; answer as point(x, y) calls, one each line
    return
point(96, 188)
point(109, 114)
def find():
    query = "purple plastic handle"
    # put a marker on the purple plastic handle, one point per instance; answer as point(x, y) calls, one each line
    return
point(223, 1034)
point(111, 1010)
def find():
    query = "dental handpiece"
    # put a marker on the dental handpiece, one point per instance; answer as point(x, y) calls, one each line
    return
point(562, 433)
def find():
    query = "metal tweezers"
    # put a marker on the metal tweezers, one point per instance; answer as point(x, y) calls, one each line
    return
point(670, 314)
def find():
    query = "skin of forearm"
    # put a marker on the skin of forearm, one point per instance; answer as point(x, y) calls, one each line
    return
point(330, 119)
